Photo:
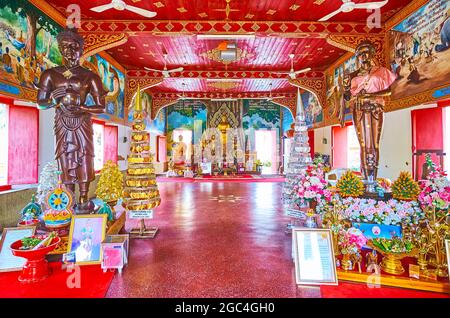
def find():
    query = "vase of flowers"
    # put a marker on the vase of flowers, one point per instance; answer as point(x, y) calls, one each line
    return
point(350, 243)
point(435, 190)
point(311, 187)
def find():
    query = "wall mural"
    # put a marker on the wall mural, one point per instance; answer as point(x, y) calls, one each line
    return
point(420, 54)
point(287, 121)
point(335, 88)
point(113, 82)
point(186, 114)
point(27, 44)
point(313, 110)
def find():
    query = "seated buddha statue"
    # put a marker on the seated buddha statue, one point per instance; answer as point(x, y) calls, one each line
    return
point(179, 156)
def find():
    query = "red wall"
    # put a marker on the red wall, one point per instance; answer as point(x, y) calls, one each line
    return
point(311, 142)
point(23, 145)
point(339, 146)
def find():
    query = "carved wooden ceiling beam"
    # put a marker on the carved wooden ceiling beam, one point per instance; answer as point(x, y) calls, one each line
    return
point(132, 87)
point(98, 42)
point(307, 29)
point(351, 42)
point(315, 86)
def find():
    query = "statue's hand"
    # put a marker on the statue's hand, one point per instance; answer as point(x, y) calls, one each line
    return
point(57, 94)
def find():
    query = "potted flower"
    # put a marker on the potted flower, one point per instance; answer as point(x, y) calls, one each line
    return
point(350, 243)
point(311, 187)
point(258, 164)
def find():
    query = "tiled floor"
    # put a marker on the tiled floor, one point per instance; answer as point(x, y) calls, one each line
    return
point(215, 240)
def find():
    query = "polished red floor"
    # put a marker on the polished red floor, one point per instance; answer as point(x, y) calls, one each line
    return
point(216, 240)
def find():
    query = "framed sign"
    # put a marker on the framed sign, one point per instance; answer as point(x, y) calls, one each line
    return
point(142, 214)
point(314, 257)
point(87, 233)
point(9, 262)
point(206, 167)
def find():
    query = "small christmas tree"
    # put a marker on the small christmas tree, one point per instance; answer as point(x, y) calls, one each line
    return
point(405, 188)
point(48, 181)
point(110, 184)
point(350, 185)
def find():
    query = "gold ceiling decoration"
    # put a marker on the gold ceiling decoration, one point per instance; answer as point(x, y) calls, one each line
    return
point(214, 55)
point(271, 12)
point(294, 7)
point(227, 9)
point(319, 2)
point(159, 4)
point(182, 10)
point(224, 85)
point(249, 16)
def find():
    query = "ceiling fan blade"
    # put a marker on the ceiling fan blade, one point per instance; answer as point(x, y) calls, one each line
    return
point(152, 69)
point(180, 69)
point(302, 71)
point(143, 12)
point(102, 8)
point(371, 5)
point(332, 14)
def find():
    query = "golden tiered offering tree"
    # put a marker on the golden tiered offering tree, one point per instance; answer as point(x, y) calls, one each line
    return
point(141, 193)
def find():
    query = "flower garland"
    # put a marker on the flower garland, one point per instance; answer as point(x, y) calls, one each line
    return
point(436, 189)
point(351, 241)
point(392, 212)
point(311, 185)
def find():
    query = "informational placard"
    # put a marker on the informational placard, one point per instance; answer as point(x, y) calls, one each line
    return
point(144, 214)
point(295, 214)
point(206, 167)
point(9, 262)
point(314, 257)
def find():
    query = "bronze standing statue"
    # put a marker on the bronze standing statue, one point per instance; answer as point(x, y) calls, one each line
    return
point(365, 89)
point(66, 88)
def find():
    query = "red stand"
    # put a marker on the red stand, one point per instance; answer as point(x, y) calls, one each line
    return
point(36, 268)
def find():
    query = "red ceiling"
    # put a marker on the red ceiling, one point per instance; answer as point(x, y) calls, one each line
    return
point(256, 10)
point(265, 53)
point(203, 85)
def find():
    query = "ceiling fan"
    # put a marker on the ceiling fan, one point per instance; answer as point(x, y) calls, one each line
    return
point(182, 96)
point(121, 5)
point(165, 71)
point(293, 74)
point(349, 6)
point(270, 98)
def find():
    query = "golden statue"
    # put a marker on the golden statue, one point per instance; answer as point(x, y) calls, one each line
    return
point(365, 89)
point(223, 127)
point(179, 156)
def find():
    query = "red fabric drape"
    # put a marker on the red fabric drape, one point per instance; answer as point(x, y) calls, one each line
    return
point(427, 133)
point(111, 143)
point(23, 145)
point(339, 147)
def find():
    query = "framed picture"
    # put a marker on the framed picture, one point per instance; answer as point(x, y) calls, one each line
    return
point(447, 251)
point(9, 262)
point(87, 233)
point(314, 257)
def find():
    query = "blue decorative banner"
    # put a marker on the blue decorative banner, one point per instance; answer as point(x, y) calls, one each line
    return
point(9, 89)
point(372, 231)
point(440, 93)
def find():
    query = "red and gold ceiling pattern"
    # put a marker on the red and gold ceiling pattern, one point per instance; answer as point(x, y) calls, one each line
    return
point(224, 74)
point(262, 53)
point(258, 10)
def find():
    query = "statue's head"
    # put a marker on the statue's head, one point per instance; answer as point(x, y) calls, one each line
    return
point(224, 119)
point(70, 44)
point(180, 138)
point(365, 53)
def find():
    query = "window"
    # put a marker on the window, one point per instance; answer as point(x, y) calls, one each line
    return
point(447, 139)
point(99, 142)
point(161, 147)
point(19, 144)
point(346, 150)
point(3, 144)
point(353, 149)
point(266, 150)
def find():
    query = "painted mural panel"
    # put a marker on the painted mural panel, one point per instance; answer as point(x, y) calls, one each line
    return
point(260, 114)
point(287, 121)
point(113, 82)
point(420, 54)
point(313, 110)
point(28, 43)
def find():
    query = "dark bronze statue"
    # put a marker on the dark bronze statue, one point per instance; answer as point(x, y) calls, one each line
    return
point(66, 88)
point(365, 89)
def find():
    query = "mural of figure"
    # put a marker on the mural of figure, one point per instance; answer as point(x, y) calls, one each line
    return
point(445, 36)
point(365, 89)
point(7, 61)
point(179, 155)
point(66, 88)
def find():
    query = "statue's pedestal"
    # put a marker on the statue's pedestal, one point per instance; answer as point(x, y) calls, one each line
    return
point(84, 208)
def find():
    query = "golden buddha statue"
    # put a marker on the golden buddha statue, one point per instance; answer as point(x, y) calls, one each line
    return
point(179, 156)
point(223, 127)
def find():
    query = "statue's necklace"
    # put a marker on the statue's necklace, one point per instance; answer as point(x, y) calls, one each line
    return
point(68, 73)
